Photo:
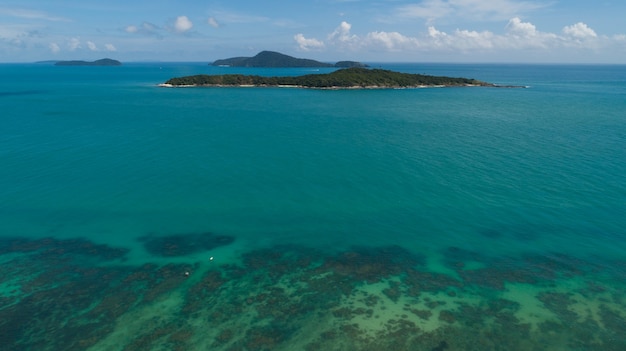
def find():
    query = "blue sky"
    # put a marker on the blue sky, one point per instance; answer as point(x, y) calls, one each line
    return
point(551, 31)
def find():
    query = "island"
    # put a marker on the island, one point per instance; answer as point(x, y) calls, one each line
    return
point(101, 62)
point(346, 78)
point(276, 59)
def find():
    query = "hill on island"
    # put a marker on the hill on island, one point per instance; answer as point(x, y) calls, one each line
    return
point(342, 78)
point(101, 62)
point(276, 59)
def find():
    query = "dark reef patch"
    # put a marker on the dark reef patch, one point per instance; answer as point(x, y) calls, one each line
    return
point(495, 272)
point(58, 295)
point(441, 347)
point(183, 244)
point(60, 248)
point(457, 258)
point(65, 298)
point(373, 264)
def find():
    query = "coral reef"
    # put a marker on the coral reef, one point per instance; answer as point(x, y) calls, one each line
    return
point(183, 244)
point(77, 295)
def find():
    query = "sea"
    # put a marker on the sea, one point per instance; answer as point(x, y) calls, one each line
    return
point(139, 217)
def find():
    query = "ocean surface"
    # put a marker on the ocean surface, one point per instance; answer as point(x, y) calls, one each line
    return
point(135, 217)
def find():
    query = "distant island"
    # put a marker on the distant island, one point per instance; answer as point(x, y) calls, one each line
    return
point(347, 78)
point(276, 59)
point(102, 62)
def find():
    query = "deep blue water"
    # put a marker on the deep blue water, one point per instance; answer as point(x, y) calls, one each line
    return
point(103, 154)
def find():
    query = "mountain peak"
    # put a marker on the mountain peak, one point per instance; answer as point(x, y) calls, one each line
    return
point(276, 59)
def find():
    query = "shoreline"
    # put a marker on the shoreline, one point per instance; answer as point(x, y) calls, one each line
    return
point(353, 87)
point(350, 78)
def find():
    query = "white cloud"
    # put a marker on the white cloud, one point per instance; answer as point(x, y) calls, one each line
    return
point(54, 48)
point(182, 24)
point(110, 47)
point(579, 31)
point(74, 44)
point(308, 44)
point(92, 46)
point(519, 36)
point(392, 41)
point(437, 35)
point(522, 29)
point(342, 35)
point(460, 40)
point(470, 39)
point(213, 22)
point(131, 29)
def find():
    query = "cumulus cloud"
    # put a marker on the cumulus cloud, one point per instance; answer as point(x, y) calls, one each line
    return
point(518, 35)
point(182, 24)
point(579, 31)
point(470, 39)
point(307, 44)
point(342, 36)
point(92, 46)
point(461, 40)
point(435, 34)
point(213, 22)
point(74, 44)
point(54, 48)
point(392, 41)
point(131, 29)
point(522, 29)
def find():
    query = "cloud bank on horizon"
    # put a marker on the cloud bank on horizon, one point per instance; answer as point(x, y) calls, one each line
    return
point(364, 30)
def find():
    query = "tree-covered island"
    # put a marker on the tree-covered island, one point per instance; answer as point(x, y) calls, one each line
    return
point(101, 62)
point(340, 79)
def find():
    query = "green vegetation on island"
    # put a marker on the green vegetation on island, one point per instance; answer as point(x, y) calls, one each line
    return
point(343, 78)
point(101, 62)
point(276, 59)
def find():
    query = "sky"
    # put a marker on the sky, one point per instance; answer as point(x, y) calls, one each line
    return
point(506, 31)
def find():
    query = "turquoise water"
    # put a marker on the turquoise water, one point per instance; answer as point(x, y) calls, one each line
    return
point(443, 218)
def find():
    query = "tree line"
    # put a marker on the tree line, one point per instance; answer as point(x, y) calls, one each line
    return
point(343, 78)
